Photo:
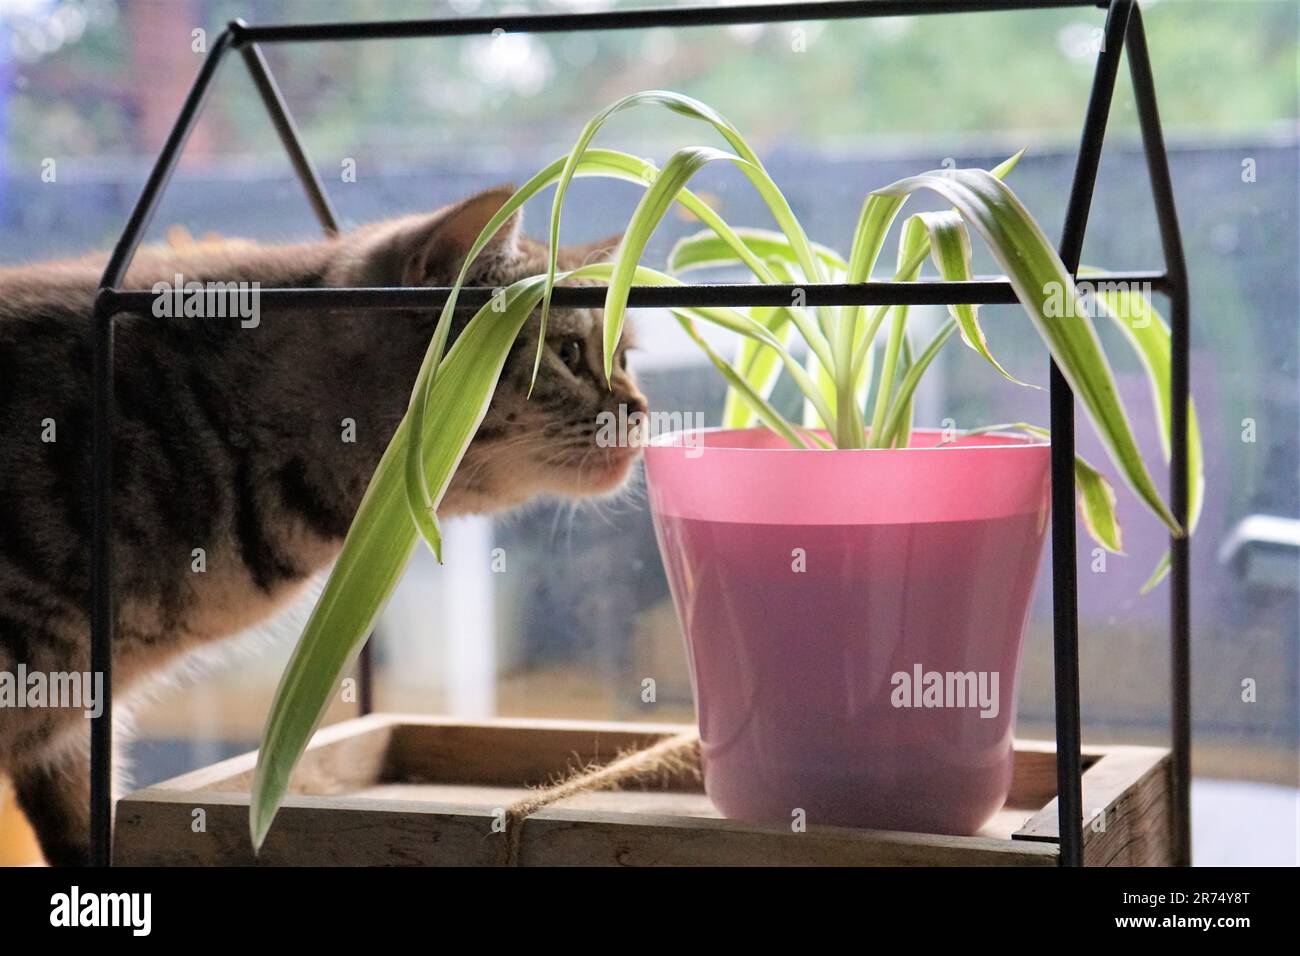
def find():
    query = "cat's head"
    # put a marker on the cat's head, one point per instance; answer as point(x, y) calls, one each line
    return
point(556, 441)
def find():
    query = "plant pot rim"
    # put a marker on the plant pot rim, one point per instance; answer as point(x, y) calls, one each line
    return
point(764, 481)
point(1000, 441)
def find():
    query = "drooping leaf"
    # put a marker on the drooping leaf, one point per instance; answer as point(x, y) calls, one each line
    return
point(379, 544)
point(910, 260)
point(733, 320)
point(1096, 497)
point(654, 205)
point(1097, 506)
point(1146, 330)
point(950, 248)
point(594, 162)
point(752, 168)
point(1161, 571)
point(1047, 293)
point(605, 163)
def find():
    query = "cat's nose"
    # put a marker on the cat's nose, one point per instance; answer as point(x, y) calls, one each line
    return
point(636, 404)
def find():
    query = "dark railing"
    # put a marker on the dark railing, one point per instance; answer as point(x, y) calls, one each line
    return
point(1123, 30)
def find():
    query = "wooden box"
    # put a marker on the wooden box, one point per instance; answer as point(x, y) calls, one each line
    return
point(405, 790)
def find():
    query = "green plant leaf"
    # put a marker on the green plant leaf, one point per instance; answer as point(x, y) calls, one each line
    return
point(760, 366)
point(819, 414)
point(911, 249)
point(1097, 506)
point(752, 168)
point(1148, 333)
point(768, 415)
point(1097, 501)
point(654, 205)
point(910, 261)
point(609, 163)
point(594, 162)
point(1047, 293)
point(903, 436)
point(656, 201)
point(877, 215)
point(950, 248)
point(1162, 569)
point(731, 319)
point(379, 544)
point(1003, 169)
point(1096, 497)
point(377, 549)
point(907, 387)
point(707, 250)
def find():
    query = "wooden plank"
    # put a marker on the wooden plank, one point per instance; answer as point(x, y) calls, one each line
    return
point(400, 789)
point(1126, 809)
point(415, 748)
point(1033, 772)
point(560, 837)
point(340, 757)
point(157, 829)
point(1006, 822)
point(513, 752)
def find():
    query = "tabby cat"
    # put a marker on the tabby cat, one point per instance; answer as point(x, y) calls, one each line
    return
point(251, 441)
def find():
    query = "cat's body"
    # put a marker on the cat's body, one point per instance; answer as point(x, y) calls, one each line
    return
point(253, 444)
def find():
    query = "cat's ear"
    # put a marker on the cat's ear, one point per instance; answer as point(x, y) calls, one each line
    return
point(590, 253)
point(435, 252)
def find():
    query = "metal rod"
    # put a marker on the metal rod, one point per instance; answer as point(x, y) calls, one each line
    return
point(101, 547)
point(101, 588)
point(282, 119)
point(366, 679)
point(164, 166)
point(1180, 394)
point(637, 19)
point(928, 292)
point(1094, 134)
point(1065, 571)
point(289, 136)
point(113, 300)
point(1065, 624)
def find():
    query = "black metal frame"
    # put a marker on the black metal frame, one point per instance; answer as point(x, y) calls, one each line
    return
point(1123, 27)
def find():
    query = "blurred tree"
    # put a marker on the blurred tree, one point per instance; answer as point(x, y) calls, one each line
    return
point(95, 78)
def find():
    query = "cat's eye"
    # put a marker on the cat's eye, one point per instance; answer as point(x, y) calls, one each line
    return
point(571, 354)
point(622, 360)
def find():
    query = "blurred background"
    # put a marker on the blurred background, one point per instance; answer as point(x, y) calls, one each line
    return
point(581, 615)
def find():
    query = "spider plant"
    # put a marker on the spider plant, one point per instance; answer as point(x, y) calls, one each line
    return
point(858, 391)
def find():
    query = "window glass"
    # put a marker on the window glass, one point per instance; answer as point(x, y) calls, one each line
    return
point(580, 615)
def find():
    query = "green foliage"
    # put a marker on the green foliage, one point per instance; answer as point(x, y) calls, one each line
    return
point(454, 389)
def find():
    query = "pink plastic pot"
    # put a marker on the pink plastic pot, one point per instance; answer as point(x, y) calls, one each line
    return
point(821, 592)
